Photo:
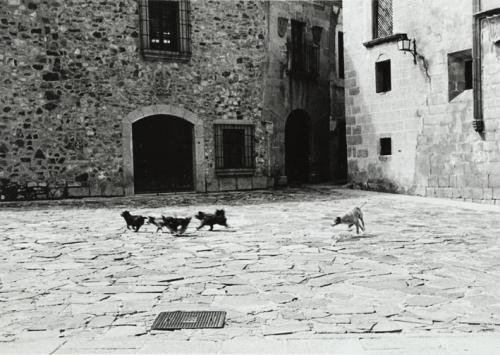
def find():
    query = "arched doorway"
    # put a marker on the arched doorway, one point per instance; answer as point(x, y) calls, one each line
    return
point(162, 154)
point(297, 147)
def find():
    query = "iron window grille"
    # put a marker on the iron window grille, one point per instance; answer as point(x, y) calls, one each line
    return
point(382, 18)
point(303, 56)
point(234, 147)
point(165, 29)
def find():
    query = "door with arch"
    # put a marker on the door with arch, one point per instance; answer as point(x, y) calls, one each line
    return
point(297, 147)
point(162, 154)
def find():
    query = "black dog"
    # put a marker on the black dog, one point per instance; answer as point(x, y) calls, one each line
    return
point(135, 221)
point(208, 219)
point(159, 223)
point(173, 224)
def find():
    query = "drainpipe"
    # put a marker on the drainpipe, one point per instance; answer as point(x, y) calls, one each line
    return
point(478, 122)
point(479, 16)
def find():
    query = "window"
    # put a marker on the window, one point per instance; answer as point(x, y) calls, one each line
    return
point(459, 73)
point(382, 18)
point(385, 146)
point(298, 52)
point(383, 76)
point(234, 146)
point(303, 55)
point(340, 51)
point(165, 29)
point(468, 74)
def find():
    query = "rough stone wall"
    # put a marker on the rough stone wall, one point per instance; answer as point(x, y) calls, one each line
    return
point(284, 93)
point(338, 149)
point(435, 150)
point(71, 71)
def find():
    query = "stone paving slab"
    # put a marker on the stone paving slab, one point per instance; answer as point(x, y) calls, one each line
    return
point(77, 275)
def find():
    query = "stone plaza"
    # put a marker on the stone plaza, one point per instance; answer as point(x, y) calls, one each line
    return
point(423, 277)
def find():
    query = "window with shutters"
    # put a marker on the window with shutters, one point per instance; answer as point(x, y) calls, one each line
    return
point(165, 29)
point(382, 18)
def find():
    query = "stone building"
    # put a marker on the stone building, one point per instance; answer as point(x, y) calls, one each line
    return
point(124, 97)
point(303, 96)
point(422, 108)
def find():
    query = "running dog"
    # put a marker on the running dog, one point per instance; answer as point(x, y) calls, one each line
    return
point(354, 216)
point(173, 224)
point(134, 221)
point(208, 219)
point(159, 223)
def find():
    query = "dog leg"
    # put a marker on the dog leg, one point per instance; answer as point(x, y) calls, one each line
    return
point(361, 219)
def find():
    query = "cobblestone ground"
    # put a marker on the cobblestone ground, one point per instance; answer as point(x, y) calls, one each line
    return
point(74, 279)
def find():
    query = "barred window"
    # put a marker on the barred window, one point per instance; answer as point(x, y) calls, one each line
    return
point(234, 146)
point(303, 55)
point(382, 18)
point(165, 29)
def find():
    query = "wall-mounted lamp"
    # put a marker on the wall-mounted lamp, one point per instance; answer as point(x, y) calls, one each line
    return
point(408, 45)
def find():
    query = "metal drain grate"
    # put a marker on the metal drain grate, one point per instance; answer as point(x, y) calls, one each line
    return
point(189, 320)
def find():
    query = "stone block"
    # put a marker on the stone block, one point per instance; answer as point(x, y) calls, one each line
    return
point(457, 192)
point(350, 120)
point(444, 192)
point(430, 192)
point(244, 183)
point(487, 193)
point(212, 185)
point(362, 153)
point(260, 182)
point(493, 180)
point(354, 91)
point(113, 190)
point(467, 193)
point(354, 140)
point(78, 191)
point(433, 181)
point(444, 181)
point(227, 184)
point(477, 193)
point(496, 193)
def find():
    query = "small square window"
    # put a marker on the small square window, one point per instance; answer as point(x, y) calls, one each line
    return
point(234, 146)
point(386, 146)
point(383, 76)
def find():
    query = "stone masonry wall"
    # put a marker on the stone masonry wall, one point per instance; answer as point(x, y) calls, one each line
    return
point(285, 93)
point(435, 150)
point(71, 71)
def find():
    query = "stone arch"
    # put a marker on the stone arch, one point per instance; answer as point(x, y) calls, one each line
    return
point(167, 110)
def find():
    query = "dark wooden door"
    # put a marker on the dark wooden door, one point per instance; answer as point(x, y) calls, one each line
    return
point(297, 147)
point(163, 154)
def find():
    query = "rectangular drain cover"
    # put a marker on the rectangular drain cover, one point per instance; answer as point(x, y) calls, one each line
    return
point(189, 320)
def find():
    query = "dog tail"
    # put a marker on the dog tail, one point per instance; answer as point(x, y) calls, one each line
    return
point(364, 203)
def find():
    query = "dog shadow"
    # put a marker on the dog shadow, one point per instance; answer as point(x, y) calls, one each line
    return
point(355, 237)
